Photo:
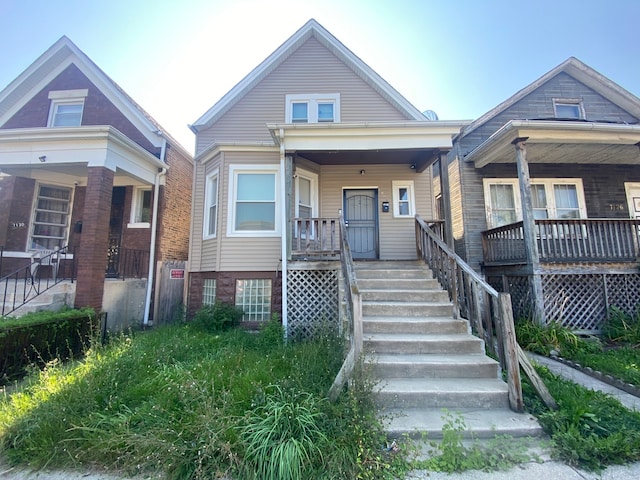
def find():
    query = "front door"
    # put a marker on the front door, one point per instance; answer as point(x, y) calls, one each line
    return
point(361, 217)
point(633, 198)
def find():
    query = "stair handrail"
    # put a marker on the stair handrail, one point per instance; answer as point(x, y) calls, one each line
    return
point(488, 311)
point(32, 282)
point(353, 304)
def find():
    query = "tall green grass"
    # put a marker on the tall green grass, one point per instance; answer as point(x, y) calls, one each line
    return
point(191, 405)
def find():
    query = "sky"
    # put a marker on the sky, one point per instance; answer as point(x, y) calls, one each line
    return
point(459, 58)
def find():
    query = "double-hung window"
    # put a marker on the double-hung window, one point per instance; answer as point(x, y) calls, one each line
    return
point(403, 199)
point(313, 108)
point(211, 205)
point(141, 207)
point(50, 217)
point(66, 108)
point(253, 200)
point(555, 198)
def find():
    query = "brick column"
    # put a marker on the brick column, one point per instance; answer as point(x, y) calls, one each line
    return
point(92, 254)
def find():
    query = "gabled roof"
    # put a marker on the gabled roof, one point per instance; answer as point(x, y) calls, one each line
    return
point(53, 62)
point(310, 29)
point(581, 72)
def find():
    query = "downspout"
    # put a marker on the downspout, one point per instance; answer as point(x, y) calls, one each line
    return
point(283, 226)
point(154, 229)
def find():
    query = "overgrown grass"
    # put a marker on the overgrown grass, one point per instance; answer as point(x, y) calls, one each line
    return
point(590, 429)
point(193, 405)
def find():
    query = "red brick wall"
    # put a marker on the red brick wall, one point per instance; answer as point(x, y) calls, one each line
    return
point(19, 211)
point(6, 196)
point(133, 238)
point(94, 241)
point(226, 288)
point(98, 110)
point(174, 208)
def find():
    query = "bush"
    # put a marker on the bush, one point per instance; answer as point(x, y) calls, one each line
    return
point(218, 317)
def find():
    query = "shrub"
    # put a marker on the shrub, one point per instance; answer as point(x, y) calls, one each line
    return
point(218, 317)
point(621, 327)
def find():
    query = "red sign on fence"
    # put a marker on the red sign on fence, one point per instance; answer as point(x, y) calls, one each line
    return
point(177, 273)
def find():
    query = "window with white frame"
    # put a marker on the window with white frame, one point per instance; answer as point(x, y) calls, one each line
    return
point(66, 108)
point(50, 219)
point(209, 291)
point(253, 296)
point(141, 207)
point(314, 108)
point(568, 108)
point(306, 190)
point(556, 198)
point(403, 199)
point(253, 200)
point(211, 206)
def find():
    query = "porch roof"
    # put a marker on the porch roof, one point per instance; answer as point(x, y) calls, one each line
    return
point(415, 142)
point(64, 154)
point(553, 141)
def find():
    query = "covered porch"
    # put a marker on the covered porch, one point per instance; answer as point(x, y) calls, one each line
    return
point(575, 265)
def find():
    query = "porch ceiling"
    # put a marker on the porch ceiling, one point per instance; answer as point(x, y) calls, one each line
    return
point(420, 158)
point(63, 155)
point(561, 142)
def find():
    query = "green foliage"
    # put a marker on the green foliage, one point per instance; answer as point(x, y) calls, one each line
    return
point(543, 339)
point(174, 401)
point(622, 328)
point(451, 455)
point(218, 317)
point(283, 437)
point(590, 428)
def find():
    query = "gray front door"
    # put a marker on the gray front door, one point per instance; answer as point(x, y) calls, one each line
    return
point(361, 217)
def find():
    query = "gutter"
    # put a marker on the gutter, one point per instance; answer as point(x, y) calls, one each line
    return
point(154, 229)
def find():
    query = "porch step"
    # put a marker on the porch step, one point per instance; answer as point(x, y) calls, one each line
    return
point(426, 362)
point(478, 422)
point(418, 325)
point(58, 296)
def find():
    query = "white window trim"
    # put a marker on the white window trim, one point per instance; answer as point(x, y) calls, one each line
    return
point(34, 204)
point(547, 182)
point(65, 97)
point(313, 179)
point(569, 101)
point(236, 169)
point(135, 203)
point(396, 186)
point(205, 224)
point(312, 101)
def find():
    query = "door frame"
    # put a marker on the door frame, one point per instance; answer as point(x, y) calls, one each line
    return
point(629, 187)
point(376, 219)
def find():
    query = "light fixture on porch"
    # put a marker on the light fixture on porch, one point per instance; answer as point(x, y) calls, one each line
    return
point(412, 166)
point(42, 158)
point(362, 172)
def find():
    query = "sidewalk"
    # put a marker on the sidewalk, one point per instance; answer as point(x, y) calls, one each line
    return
point(551, 469)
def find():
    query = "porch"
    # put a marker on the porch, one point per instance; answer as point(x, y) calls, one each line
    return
point(580, 267)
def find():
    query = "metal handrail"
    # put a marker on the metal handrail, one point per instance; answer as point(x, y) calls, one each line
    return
point(30, 281)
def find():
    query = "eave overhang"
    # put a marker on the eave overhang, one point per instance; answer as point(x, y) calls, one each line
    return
point(550, 141)
point(67, 152)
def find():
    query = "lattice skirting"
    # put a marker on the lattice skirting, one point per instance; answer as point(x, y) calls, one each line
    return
point(580, 302)
point(313, 301)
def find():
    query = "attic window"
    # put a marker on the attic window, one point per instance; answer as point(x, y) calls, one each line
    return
point(568, 108)
point(66, 108)
point(313, 108)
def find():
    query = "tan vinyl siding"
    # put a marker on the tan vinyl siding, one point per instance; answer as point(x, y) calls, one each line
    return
point(397, 235)
point(310, 69)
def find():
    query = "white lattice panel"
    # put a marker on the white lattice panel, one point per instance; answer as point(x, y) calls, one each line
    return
point(313, 302)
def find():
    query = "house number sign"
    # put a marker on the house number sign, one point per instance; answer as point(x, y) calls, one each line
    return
point(16, 225)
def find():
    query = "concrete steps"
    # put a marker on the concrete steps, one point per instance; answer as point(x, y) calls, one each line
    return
point(52, 299)
point(426, 362)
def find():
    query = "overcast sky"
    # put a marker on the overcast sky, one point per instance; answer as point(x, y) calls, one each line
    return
point(459, 58)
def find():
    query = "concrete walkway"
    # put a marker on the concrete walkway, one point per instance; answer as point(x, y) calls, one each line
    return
point(551, 469)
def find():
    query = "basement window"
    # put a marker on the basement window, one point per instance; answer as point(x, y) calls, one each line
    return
point(253, 296)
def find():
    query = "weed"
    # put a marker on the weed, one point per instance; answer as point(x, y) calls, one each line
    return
point(544, 339)
point(621, 327)
point(218, 317)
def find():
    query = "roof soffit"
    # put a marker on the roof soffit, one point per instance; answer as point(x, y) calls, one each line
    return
point(311, 29)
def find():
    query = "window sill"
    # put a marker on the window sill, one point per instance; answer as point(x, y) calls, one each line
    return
point(139, 225)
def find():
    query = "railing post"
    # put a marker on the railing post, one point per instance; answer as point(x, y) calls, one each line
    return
point(512, 365)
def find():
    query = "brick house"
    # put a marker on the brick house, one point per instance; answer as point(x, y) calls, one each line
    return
point(90, 177)
point(543, 197)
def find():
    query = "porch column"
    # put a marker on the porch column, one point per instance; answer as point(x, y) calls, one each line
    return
point(92, 254)
point(445, 192)
point(529, 232)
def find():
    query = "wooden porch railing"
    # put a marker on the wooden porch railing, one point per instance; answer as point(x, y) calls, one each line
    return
point(488, 311)
point(354, 313)
point(315, 237)
point(566, 241)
